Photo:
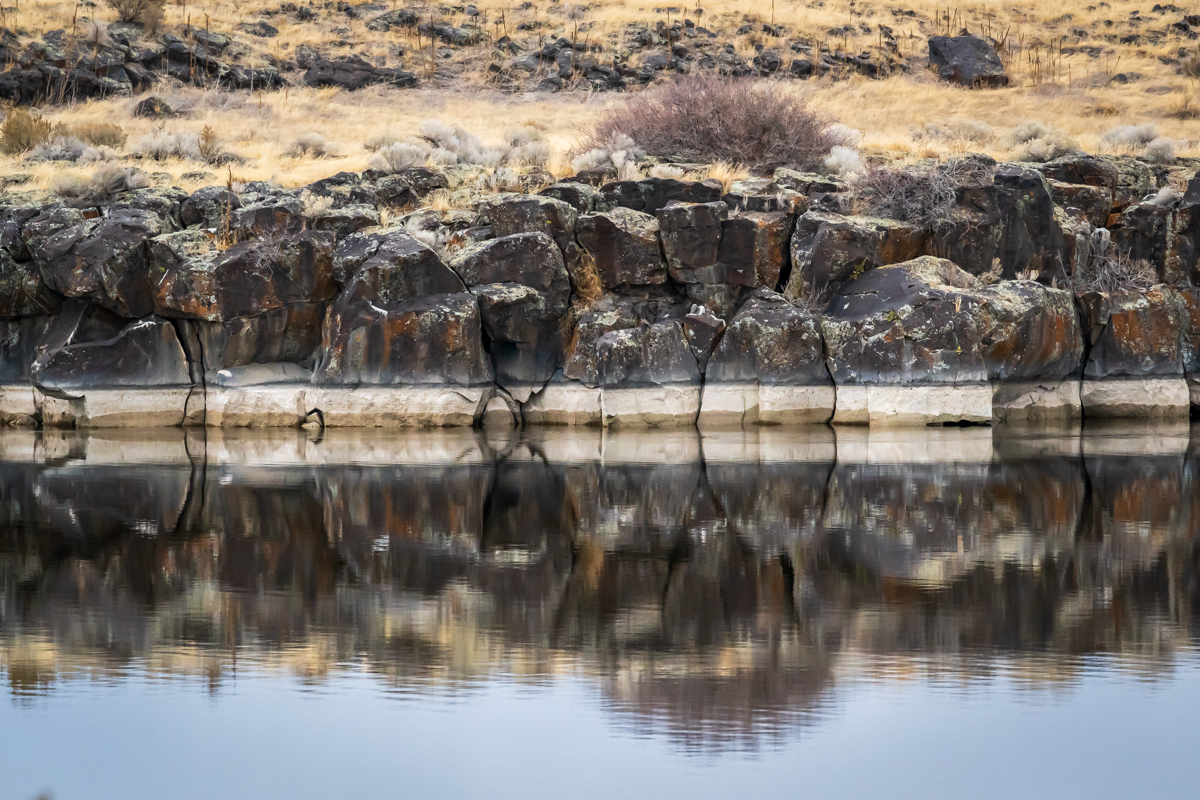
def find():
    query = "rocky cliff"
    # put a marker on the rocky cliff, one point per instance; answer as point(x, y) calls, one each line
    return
point(650, 302)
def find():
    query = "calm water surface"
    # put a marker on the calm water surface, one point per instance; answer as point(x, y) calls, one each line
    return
point(959, 613)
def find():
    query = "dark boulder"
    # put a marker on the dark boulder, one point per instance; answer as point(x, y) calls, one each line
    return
point(966, 60)
point(20, 340)
point(23, 293)
point(1029, 332)
point(146, 353)
point(580, 196)
point(755, 248)
point(646, 356)
point(524, 330)
point(702, 329)
point(770, 341)
point(431, 340)
point(529, 259)
point(625, 246)
point(103, 259)
point(509, 214)
point(1135, 334)
point(288, 334)
point(828, 250)
point(387, 268)
point(691, 240)
point(209, 207)
point(904, 324)
point(352, 72)
point(247, 279)
point(1166, 236)
point(651, 194)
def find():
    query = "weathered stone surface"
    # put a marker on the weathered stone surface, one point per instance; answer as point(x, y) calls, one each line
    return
point(1092, 203)
point(386, 268)
point(289, 334)
point(23, 293)
point(1168, 237)
point(510, 214)
point(580, 196)
point(648, 376)
point(702, 329)
point(770, 341)
point(243, 281)
point(146, 353)
point(904, 324)
point(768, 368)
point(1012, 220)
point(648, 355)
point(352, 72)
point(345, 220)
point(755, 248)
point(827, 250)
point(625, 246)
point(1128, 179)
point(1135, 334)
point(966, 60)
point(524, 332)
point(651, 194)
point(1136, 397)
point(269, 218)
point(103, 259)
point(913, 405)
point(529, 259)
point(610, 314)
point(209, 207)
point(434, 339)
point(19, 340)
point(691, 240)
point(1029, 331)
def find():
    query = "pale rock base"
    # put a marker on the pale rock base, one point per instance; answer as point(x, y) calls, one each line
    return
point(497, 414)
point(398, 407)
point(1136, 398)
point(1193, 382)
point(670, 406)
point(116, 408)
point(563, 403)
point(913, 405)
point(269, 406)
point(736, 404)
point(17, 406)
point(1033, 401)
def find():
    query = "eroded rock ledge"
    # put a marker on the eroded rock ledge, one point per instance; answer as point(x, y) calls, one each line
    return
point(657, 302)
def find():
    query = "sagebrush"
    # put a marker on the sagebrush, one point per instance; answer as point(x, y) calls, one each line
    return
point(705, 118)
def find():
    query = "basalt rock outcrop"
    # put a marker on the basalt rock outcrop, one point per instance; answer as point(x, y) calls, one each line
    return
point(650, 303)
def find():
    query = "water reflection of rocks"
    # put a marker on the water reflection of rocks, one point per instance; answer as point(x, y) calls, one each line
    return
point(718, 586)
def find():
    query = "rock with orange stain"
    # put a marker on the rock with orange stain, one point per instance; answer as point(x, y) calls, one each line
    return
point(828, 250)
point(1135, 334)
point(428, 340)
point(1029, 332)
point(1166, 235)
point(102, 259)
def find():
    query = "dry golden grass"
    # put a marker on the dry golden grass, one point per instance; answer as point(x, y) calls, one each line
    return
point(1059, 58)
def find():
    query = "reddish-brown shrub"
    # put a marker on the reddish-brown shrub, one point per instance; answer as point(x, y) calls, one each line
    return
point(709, 117)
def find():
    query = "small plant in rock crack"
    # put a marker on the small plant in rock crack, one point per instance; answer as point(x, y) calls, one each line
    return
point(925, 195)
point(1109, 271)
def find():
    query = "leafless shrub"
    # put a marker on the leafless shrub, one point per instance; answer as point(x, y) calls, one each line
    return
point(105, 183)
point(1028, 131)
point(147, 12)
point(162, 146)
point(970, 131)
point(57, 148)
point(1109, 271)
point(311, 145)
point(666, 171)
point(100, 134)
point(925, 195)
point(1048, 148)
point(618, 149)
point(710, 117)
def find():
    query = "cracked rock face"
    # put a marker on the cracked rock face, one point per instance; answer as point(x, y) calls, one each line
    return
point(1135, 334)
point(828, 249)
point(145, 353)
point(770, 341)
point(625, 246)
point(909, 323)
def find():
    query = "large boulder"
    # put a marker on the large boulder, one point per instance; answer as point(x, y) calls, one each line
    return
point(23, 293)
point(429, 340)
point(966, 60)
point(523, 292)
point(1137, 347)
point(509, 214)
point(755, 248)
point(1009, 221)
point(611, 313)
point(388, 267)
point(1126, 179)
point(197, 281)
point(137, 378)
point(1166, 236)
point(353, 72)
point(827, 250)
point(1032, 346)
point(769, 367)
point(651, 194)
point(103, 260)
point(691, 240)
point(288, 334)
point(903, 344)
point(625, 246)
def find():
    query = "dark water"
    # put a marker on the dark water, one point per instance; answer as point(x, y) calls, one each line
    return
point(940, 613)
